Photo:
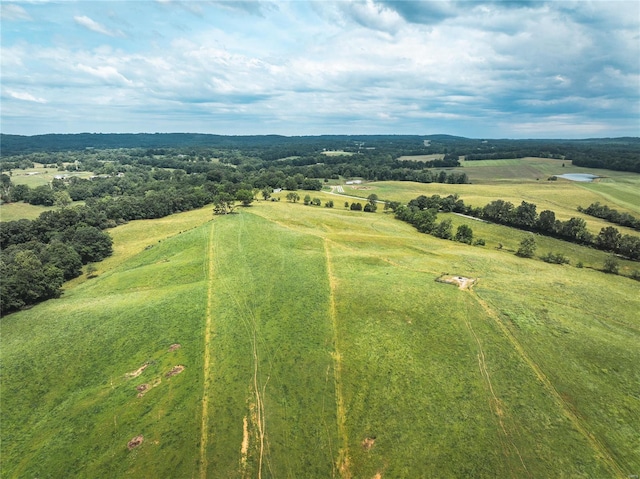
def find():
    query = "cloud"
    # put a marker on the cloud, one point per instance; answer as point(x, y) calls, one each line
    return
point(24, 96)
point(11, 11)
point(375, 16)
point(94, 26)
point(475, 68)
point(107, 73)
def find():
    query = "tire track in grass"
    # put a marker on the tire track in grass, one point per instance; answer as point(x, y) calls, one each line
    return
point(204, 429)
point(343, 454)
point(494, 401)
point(599, 448)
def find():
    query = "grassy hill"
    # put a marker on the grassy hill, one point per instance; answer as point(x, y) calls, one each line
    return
point(316, 342)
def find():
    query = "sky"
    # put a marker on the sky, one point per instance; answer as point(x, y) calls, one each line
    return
point(480, 69)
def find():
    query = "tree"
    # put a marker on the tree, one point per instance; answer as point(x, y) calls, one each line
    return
point(266, 192)
point(611, 265)
point(527, 247)
point(316, 202)
point(307, 199)
point(355, 206)
point(608, 239)
point(546, 222)
point(61, 199)
point(524, 216)
point(329, 204)
point(244, 196)
point(293, 197)
point(443, 229)
point(91, 243)
point(290, 183)
point(223, 203)
point(63, 257)
point(41, 195)
point(372, 199)
point(464, 234)
point(630, 247)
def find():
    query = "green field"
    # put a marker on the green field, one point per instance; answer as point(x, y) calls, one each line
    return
point(316, 342)
point(40, 175)
point(20, 210)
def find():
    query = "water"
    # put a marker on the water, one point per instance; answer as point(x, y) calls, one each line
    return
point(578, 177)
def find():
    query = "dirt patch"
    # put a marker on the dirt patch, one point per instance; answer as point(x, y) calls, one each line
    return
point(135, 442)
point(460, 281)
point(145, 388)
point(137, 372)
point(368, 443)
point(378, 476)
point(175, 370)
point(173, 347)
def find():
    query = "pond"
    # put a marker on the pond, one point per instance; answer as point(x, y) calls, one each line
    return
point(578, 177)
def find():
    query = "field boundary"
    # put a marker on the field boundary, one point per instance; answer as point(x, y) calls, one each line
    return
point(343, 454)
point(204, 432)
point(600, 449)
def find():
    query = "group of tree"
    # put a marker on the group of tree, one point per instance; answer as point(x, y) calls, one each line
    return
point(574, 229)
point(37, 256)
point(421, 212)
point(611, 215)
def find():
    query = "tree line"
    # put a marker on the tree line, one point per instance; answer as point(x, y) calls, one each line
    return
point(611, 215)
point(422, 213)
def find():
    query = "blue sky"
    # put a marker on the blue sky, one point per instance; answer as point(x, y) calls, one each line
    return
point(498, 69)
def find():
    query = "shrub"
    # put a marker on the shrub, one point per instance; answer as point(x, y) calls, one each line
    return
point(557, 258)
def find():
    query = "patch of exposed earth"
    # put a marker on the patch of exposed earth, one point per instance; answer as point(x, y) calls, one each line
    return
point(174, 371)
point(460, 281)
point(135, 442)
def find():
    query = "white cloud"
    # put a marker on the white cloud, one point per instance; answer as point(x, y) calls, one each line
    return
point(107, 73)
point(11, 11)
point(96, 27)
point(25, 96)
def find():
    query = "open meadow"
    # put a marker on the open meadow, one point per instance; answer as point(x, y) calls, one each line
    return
point(299, 341)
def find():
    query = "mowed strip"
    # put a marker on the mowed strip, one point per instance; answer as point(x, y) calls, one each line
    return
point(271, 411)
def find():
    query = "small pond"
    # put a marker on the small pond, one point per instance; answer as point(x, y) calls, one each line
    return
point(578, 177)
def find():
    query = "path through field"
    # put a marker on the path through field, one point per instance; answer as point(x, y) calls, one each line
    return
point(266, 361)
point(599, 448)
point(207, 354)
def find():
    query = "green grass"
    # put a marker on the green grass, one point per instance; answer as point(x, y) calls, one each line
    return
point(335, 319)
point(18, 211)
point(39, 175)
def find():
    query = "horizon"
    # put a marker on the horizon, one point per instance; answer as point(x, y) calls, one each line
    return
point(325, 135)
point(501, 70)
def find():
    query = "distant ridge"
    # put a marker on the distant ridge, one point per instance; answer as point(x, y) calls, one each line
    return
point(16, 144)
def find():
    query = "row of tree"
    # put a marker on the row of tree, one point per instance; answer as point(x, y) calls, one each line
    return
point(611, 215)
point(421, 212)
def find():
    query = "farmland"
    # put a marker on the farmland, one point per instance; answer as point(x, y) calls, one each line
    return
point(316, 342)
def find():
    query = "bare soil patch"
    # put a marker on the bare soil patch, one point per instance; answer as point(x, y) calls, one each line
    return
point(460, 281)
point(135, 442)
point(175, 370)
point(368, 443)
point(137, 372)
point(173, 347)
point(145, 388)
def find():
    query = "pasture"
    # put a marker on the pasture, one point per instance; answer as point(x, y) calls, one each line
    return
point(40, 175)
point(316, 342)
point(20, 210)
